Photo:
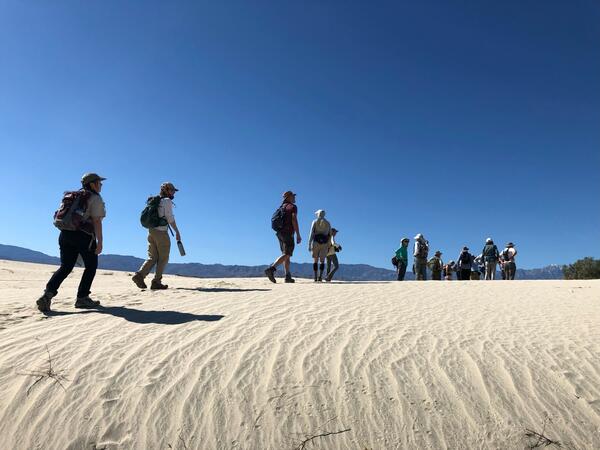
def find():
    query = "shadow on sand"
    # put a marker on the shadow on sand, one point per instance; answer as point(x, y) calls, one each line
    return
point(140, 316)
point(201, 289)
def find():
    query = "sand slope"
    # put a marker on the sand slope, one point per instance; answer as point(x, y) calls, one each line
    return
point(220, 364)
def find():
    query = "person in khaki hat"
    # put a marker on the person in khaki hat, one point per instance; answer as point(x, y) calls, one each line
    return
point(436, 265)
point(83, 237)
point(159, 242)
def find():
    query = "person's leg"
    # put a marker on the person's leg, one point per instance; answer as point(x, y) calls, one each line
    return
point(90, 261)
point(68, 258)
point(336, 265)
point(163, 244)
point(493, 271)
point(321, 266)
point(488, 270)
point(401, 271)
point(152, 257)
point(328, 271)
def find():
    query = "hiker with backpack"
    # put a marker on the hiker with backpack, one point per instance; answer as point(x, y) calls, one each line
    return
point(285, 224)
point(420, 253)
point(490, 257)
point(508, 261)
point(79, 219)
point(158, 217)
point(400, 260)
point(332, 259)
point(436, 265)
point(464, 263)
point(480, 264)
point(318, 243)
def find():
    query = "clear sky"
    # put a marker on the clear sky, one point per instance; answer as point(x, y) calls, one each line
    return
point(459, 120)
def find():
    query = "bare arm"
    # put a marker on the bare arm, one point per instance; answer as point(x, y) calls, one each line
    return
point(296, 228)
point(174, 226)
point(97, 221)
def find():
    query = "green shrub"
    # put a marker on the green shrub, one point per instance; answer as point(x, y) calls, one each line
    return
point(583, 269)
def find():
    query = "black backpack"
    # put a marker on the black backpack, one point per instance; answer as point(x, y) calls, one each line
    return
point(278, 219)
point(149, 217)
point(465, 258)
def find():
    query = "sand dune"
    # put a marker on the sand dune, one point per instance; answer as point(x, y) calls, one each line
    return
point(244, 364)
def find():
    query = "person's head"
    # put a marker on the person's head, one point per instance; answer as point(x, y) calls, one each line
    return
point(451, 263)
point(419, 237)
point(334, 231)
point(489, 241)
point(320, 214)
point(510, 245)
point(438, 253)
point(465, 249)
point(404, 242)
point(167, 190)
point(92, 182)
point(289, 197)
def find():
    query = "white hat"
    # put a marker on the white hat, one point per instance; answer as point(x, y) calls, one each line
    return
point(488, 241)
point(418, 236)
point(320, 213)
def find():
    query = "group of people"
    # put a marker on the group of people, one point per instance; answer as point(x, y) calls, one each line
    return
point(467, 266)
point(81, 213)
point(79, 219)
point(321, 242)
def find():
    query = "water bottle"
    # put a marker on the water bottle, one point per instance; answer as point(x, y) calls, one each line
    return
point(181, 249)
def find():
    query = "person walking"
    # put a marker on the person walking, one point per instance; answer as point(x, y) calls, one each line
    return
point(285, 225)
point(159, 242)
point(479, 263)
point(465, 261)
point(508, 261)
point(318, 243)
point(80, 220)
point(490, 256)
point(436, 265)
point(332, 259)
point(420, 253)
point(402, 259)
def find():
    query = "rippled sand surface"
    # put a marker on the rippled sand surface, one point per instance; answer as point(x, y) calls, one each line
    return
point(245, 364)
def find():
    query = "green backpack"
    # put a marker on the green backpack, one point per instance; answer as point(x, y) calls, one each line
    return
point(149, 217)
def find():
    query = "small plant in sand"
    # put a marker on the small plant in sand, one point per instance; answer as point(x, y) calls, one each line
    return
point(538, 440)
point(309, 438)
point(46, 373)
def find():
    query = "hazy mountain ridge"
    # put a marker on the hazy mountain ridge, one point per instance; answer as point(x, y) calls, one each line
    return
point(348, 272)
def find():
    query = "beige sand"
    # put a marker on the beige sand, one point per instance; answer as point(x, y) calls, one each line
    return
point(460, 365)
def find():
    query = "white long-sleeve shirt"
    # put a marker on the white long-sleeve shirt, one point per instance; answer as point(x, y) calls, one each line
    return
point(165, 209)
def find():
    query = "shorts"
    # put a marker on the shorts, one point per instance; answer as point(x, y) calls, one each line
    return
point(320, 250)
point(286, 243)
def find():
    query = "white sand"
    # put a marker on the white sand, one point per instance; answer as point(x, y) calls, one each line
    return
point(460, 365)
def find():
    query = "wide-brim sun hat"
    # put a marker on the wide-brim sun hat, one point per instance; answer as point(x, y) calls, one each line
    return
point(438, 253)
point(510, 244)
point(91, 178)
point(489, 241)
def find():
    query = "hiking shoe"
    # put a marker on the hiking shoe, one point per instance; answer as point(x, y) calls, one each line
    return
point(289, 279)
point(43, 303)
point(139, 281)
point(320, 279)
point(270, 273)
point(86, 302)
point(156, 286)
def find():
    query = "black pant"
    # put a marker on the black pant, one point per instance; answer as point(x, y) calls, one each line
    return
point(72, 244)
point(465, 274)
point(401, 268)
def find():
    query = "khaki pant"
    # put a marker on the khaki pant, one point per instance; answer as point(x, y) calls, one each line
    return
point(159, 247)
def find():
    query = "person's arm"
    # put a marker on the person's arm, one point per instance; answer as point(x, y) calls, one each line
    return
point(171, 218)
point(97, 221)
point(174, 226)
point(311, 237)
point(296, 228)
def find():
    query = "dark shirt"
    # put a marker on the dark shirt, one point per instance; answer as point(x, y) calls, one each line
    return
point(288, 224)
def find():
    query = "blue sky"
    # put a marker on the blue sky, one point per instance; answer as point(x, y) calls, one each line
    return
point(459, 121)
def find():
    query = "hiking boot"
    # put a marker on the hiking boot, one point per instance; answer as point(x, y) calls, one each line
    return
point(270, 273)
point(86, 302)
point(289, 279)
point(320, 279)
point(157, 285)
point(139, 281)
point(43, 303)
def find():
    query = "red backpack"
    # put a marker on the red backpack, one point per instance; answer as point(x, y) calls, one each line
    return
point(69, 215)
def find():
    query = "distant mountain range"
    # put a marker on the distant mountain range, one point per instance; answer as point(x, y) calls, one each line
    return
point(347, 272)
